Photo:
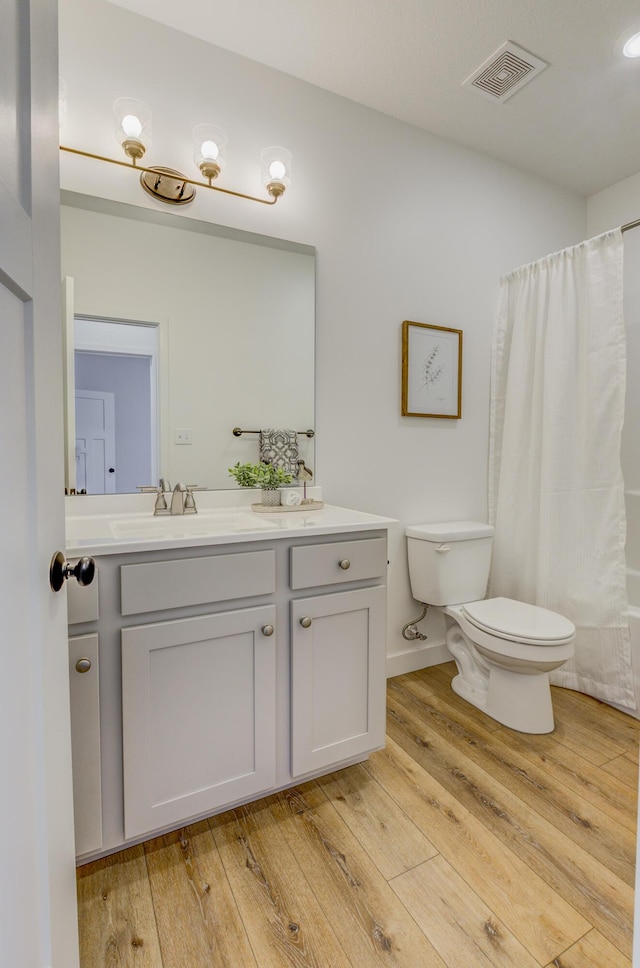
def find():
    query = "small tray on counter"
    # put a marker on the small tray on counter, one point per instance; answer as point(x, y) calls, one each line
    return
point(279, 508)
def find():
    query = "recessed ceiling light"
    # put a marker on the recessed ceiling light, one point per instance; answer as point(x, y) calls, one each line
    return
point(632, 46)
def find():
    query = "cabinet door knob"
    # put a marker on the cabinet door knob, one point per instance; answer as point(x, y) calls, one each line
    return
point(60, 570)
point(267, 629)
point(305, 622)
point(345, 564)
point(83, 665)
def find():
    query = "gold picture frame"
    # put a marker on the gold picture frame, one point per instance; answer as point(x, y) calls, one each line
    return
point(431, 371)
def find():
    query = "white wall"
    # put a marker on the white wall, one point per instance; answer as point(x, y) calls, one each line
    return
point(614, 206)
point(406, 225)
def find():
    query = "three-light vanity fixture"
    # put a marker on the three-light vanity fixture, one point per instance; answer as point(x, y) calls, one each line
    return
point(133, 131)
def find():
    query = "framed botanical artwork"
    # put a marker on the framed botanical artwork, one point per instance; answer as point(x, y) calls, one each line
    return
point(431, 371)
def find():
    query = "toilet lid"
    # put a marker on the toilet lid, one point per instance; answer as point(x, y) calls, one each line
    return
point(518, 621)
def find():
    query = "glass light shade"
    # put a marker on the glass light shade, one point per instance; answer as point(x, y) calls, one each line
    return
point(276, 167)
point(632, 46)
point(133, 122)
point(209, 149)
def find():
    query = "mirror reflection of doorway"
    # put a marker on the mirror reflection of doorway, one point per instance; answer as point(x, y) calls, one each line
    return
point(95, 442)
point(116, 405)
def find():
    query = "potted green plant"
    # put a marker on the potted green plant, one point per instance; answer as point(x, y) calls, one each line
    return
point(268, 477)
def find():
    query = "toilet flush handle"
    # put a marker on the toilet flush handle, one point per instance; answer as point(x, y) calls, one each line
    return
point(441, 549)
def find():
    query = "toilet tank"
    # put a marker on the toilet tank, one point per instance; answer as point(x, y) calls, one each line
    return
point(449, 563)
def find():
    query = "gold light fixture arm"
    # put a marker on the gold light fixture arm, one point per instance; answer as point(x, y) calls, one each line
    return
point(154, 171)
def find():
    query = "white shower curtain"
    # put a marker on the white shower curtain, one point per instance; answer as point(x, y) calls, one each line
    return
point(556, 493)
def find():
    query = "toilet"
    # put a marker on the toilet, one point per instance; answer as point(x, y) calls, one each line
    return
point(504, 649)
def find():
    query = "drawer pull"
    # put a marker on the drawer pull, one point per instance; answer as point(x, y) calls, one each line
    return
point(305, 622)
point(83, 665)
point(345, 564)
point(267, 630)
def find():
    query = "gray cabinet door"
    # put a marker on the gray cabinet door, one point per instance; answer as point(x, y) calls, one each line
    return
point(199, 711)
point(337, 677)
point(84, 692)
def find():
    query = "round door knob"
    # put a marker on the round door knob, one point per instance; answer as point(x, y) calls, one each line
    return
point(345, 564)
point(267, 629)
point(112, 470)
point(305, 622)
point(83, 665)
point(61, 570)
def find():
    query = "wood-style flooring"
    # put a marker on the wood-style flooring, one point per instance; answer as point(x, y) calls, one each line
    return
point(461, 845)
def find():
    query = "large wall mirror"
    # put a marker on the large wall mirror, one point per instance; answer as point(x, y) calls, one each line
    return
point(178, 331)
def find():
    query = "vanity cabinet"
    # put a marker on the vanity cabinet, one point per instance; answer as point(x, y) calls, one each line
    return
point(226, 672)
point(337, 654)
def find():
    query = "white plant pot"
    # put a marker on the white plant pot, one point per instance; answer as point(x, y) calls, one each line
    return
point(271, 497)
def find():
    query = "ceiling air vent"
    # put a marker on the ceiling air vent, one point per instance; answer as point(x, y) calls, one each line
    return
point(507, 70)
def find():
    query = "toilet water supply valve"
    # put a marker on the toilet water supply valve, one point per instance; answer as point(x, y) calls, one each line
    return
point(410, 632)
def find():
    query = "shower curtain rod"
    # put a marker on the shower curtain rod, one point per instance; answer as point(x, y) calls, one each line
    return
point(630, 225)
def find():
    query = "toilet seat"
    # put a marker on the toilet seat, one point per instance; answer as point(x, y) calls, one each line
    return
point(505, 618)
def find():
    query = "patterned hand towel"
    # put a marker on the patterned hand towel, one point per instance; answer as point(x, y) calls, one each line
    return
point(280, 447)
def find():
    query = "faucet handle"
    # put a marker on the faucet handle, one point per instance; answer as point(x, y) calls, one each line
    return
point(161, 505)
point(189, 501)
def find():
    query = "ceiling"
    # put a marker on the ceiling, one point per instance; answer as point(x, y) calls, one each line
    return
point(576, 123)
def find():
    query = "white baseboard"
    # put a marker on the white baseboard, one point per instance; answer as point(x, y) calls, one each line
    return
point(420, 658)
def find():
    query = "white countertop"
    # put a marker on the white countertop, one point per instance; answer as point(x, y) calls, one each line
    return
point(119, 533)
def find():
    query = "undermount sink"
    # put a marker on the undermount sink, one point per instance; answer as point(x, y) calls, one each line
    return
point(212, 521)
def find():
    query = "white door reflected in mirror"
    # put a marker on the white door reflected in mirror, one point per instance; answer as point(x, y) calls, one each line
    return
point(95, 442)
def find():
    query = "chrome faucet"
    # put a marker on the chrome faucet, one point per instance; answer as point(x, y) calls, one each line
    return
point(182, 500)
point(177, 500)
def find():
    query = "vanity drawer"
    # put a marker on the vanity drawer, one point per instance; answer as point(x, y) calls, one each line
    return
point(342, 561)
point(157, 585)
